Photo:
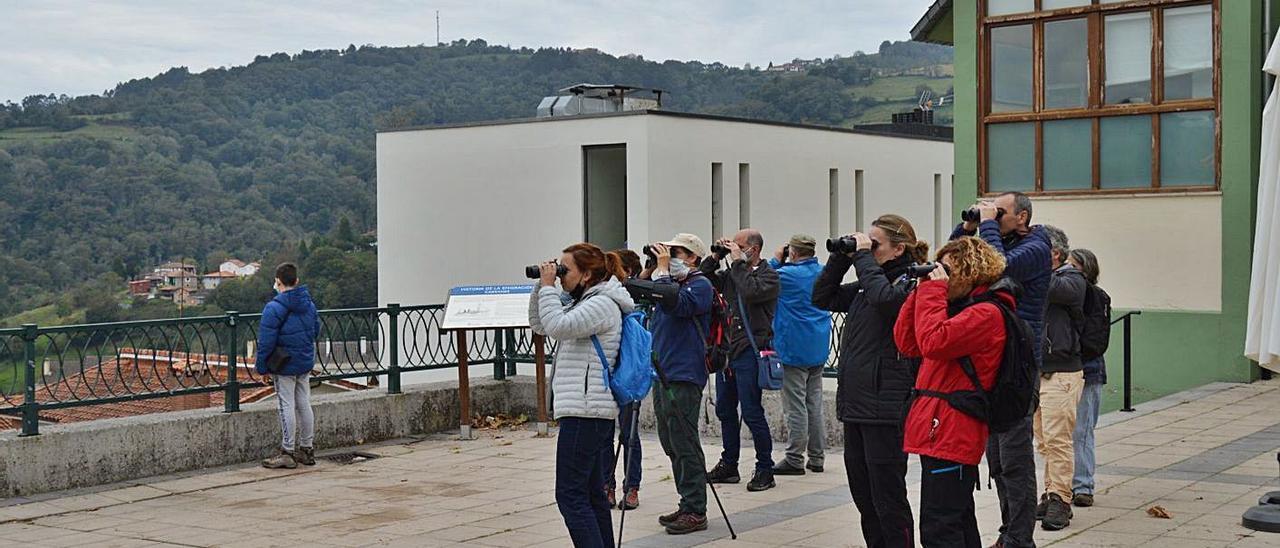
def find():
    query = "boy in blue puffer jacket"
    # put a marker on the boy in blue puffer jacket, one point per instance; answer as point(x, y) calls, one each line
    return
point(290, 322)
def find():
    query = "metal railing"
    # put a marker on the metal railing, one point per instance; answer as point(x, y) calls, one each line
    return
point(48, 370)
point(1128, 357)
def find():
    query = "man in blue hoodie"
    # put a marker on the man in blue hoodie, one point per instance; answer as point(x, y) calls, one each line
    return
point(679, 349)
point(802, 339)
point(289, 327)
point(1005, 223)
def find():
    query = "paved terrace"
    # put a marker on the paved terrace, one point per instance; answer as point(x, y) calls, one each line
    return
point(1204, 456)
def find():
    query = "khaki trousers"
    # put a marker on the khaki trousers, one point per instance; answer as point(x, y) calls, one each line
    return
point(1055, 421)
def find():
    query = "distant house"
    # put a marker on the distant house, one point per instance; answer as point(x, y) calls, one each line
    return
point(178, 275)
point(239, 268)
point(213, 279)
point(139, 288)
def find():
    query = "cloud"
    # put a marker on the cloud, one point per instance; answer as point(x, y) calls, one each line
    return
point(73, 47)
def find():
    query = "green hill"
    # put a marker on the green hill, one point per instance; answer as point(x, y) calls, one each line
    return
point(246, 161)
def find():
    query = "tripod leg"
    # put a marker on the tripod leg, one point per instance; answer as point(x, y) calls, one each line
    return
point(626, 468)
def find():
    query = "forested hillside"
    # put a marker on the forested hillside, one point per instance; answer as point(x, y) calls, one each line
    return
point(253, 161)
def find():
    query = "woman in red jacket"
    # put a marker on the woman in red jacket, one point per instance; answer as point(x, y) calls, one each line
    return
point(940, 324)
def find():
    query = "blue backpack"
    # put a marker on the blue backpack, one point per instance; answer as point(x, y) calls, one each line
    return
point(632, 377)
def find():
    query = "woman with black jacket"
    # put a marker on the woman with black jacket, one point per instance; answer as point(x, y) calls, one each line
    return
point(874, 381)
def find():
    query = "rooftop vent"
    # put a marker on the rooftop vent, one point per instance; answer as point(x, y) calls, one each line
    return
point(598, 98)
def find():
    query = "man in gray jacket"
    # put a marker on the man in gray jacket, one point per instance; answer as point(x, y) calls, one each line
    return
point(1061, 383)
point(750, 286)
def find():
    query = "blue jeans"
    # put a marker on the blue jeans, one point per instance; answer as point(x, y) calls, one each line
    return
point(743, 388)
point(627, 417)
point(584, 451)
point(1086, 420)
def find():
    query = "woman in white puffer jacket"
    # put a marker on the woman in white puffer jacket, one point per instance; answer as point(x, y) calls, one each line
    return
point(584, 406)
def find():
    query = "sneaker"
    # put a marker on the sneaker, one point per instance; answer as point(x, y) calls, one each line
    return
point(688, 522)
point(283, 459)
point(787, 469)
point(305, 456)
point(1057, 515)
point(1083, 500)
point(609, 494)
point(762, 480)
point(815, 468)
point(1042, 507)
point(630, 500)
point(723, 473)
point(667, 519)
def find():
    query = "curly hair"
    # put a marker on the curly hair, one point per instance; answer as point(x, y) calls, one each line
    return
point(973, 261)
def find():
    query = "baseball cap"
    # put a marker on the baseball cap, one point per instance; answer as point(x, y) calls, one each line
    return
point(690, 242)
point(804, 241)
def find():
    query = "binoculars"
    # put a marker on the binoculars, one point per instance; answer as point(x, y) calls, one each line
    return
point(846, 245)
point(534, 271)
point(972, 215)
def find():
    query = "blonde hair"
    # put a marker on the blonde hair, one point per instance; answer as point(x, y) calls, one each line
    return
point(900, 231)
point(973, 261)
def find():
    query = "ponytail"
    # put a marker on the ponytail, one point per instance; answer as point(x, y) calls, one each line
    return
point(614, 264)
point(919, 251)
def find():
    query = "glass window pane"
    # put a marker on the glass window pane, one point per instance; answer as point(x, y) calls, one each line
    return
point(1186, 148)
point(1128, 58)
point(1066, 64)
point(1068, 154)
point(1188, 53)
point(1126, 152)
point(1004, 7)
point(1011, 68)
point(1055, 4)
point(1011, 157)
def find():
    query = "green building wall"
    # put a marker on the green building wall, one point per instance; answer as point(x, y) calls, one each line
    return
point(1172, 351)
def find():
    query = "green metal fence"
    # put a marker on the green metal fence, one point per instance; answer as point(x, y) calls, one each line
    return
point(47, 369)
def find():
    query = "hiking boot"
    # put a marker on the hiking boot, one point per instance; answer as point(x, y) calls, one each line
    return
point(1083, 500)
point(667, 519)
point(723, 473)
point(283, 459)
point(305, 456)
point(1057, 515)
point(787, 469)
point(688, 522)
point(815, 468)
point(630, 499)
point(762, 480)
point(1042, 507)
point(611, 497)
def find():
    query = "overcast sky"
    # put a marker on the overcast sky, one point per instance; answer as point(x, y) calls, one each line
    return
point(79, 47)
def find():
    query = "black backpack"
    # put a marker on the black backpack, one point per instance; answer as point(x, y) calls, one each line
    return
point(1014, 395)
point(1095, 335)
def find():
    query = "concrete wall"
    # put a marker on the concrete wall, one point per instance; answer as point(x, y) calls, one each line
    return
point(1156, 252)
point(474, 205)
point(790, 172)
point(108, 451)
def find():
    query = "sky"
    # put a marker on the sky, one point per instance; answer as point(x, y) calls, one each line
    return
point(80, 47)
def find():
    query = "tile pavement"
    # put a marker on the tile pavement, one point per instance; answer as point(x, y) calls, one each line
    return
point(1204, 455)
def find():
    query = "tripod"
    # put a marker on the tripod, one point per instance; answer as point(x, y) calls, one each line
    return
point(684, 423)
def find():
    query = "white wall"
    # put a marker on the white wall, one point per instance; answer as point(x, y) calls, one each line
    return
point(1156, 252)
point(473, 205)
point(789, 177)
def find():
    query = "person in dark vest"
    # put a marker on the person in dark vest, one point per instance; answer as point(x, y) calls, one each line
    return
point(1094, 339)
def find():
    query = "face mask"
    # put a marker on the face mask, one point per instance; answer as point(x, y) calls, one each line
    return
point(746, 255)
point(678, 269)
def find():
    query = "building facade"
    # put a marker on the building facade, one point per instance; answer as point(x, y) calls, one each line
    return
point(474, 204)
point(1135, 127)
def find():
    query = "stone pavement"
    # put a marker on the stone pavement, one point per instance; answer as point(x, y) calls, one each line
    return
point(1204, 455)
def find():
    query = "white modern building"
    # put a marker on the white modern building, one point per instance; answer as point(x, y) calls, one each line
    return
point(475, 203)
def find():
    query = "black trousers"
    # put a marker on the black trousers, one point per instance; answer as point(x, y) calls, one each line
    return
point(877, 469)
point(1012, 462)
point(947, 518)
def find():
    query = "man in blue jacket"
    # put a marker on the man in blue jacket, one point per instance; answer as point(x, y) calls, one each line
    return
point(679, 348)
point(1005, 223)
point(290, 324)
point(802, 339)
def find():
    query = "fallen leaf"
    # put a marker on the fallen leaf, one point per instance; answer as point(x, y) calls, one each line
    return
point(1159, 512)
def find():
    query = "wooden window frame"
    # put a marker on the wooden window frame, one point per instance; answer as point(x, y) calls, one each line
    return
point(1095, 109)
